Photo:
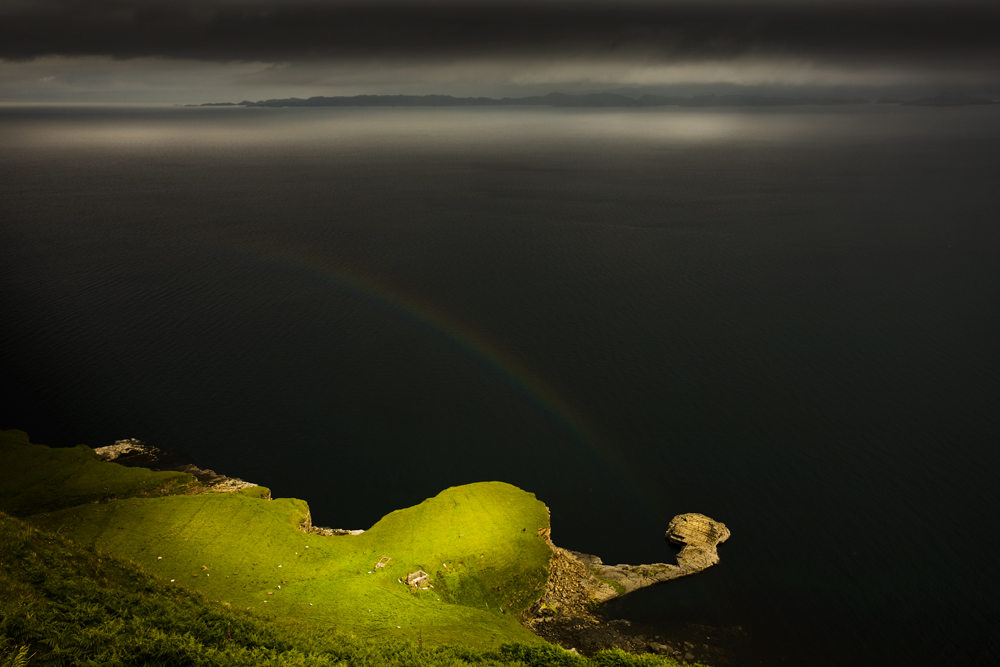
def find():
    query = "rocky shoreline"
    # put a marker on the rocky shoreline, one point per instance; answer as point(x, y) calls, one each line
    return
point(578, 583)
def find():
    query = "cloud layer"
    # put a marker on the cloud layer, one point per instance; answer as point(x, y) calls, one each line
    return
point(307, 30)
point(294, 44)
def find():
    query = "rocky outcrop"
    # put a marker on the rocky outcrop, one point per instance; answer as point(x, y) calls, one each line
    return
point(128, 448)
point(133, 452)
point(700, 537)
point(306, 526)
point(578, 582)
point(331, 532)
point(213, 482)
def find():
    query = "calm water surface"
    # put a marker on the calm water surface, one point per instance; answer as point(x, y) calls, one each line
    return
point(786, 320)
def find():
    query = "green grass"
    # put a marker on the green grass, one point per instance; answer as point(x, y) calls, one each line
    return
point(65, 604)
point(479, 543)
point(240, 550)
point(117, 566)
point(614, 584)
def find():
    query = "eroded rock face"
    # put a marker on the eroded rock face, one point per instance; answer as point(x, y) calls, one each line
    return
point(700, 536)
point(578, 582)
point(330, 532)
point(130, 446)
point(214, 482)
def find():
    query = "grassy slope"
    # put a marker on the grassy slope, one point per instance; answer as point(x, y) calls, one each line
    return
point(71, 605)
point(38, 478)
point(479, 543)
point(243, 541)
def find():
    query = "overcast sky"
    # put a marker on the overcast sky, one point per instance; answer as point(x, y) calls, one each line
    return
point(192, 51)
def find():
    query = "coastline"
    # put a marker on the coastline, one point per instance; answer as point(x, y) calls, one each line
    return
point(567, 613)
point(578, 584)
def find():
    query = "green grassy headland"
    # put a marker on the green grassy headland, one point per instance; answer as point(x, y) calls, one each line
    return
point(103, 564)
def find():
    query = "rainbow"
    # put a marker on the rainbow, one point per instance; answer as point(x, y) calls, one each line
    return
point(433, 319)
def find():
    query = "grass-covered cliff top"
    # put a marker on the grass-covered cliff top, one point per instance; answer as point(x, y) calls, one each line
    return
point(65, 604)
point(116, 563)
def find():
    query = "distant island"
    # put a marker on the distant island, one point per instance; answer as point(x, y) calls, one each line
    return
point(595, 100)
point(949, 100)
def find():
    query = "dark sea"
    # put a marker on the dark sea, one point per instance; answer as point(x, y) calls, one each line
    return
point(787, 320)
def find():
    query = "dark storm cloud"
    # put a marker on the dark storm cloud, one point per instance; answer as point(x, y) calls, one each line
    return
point(295, 30)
